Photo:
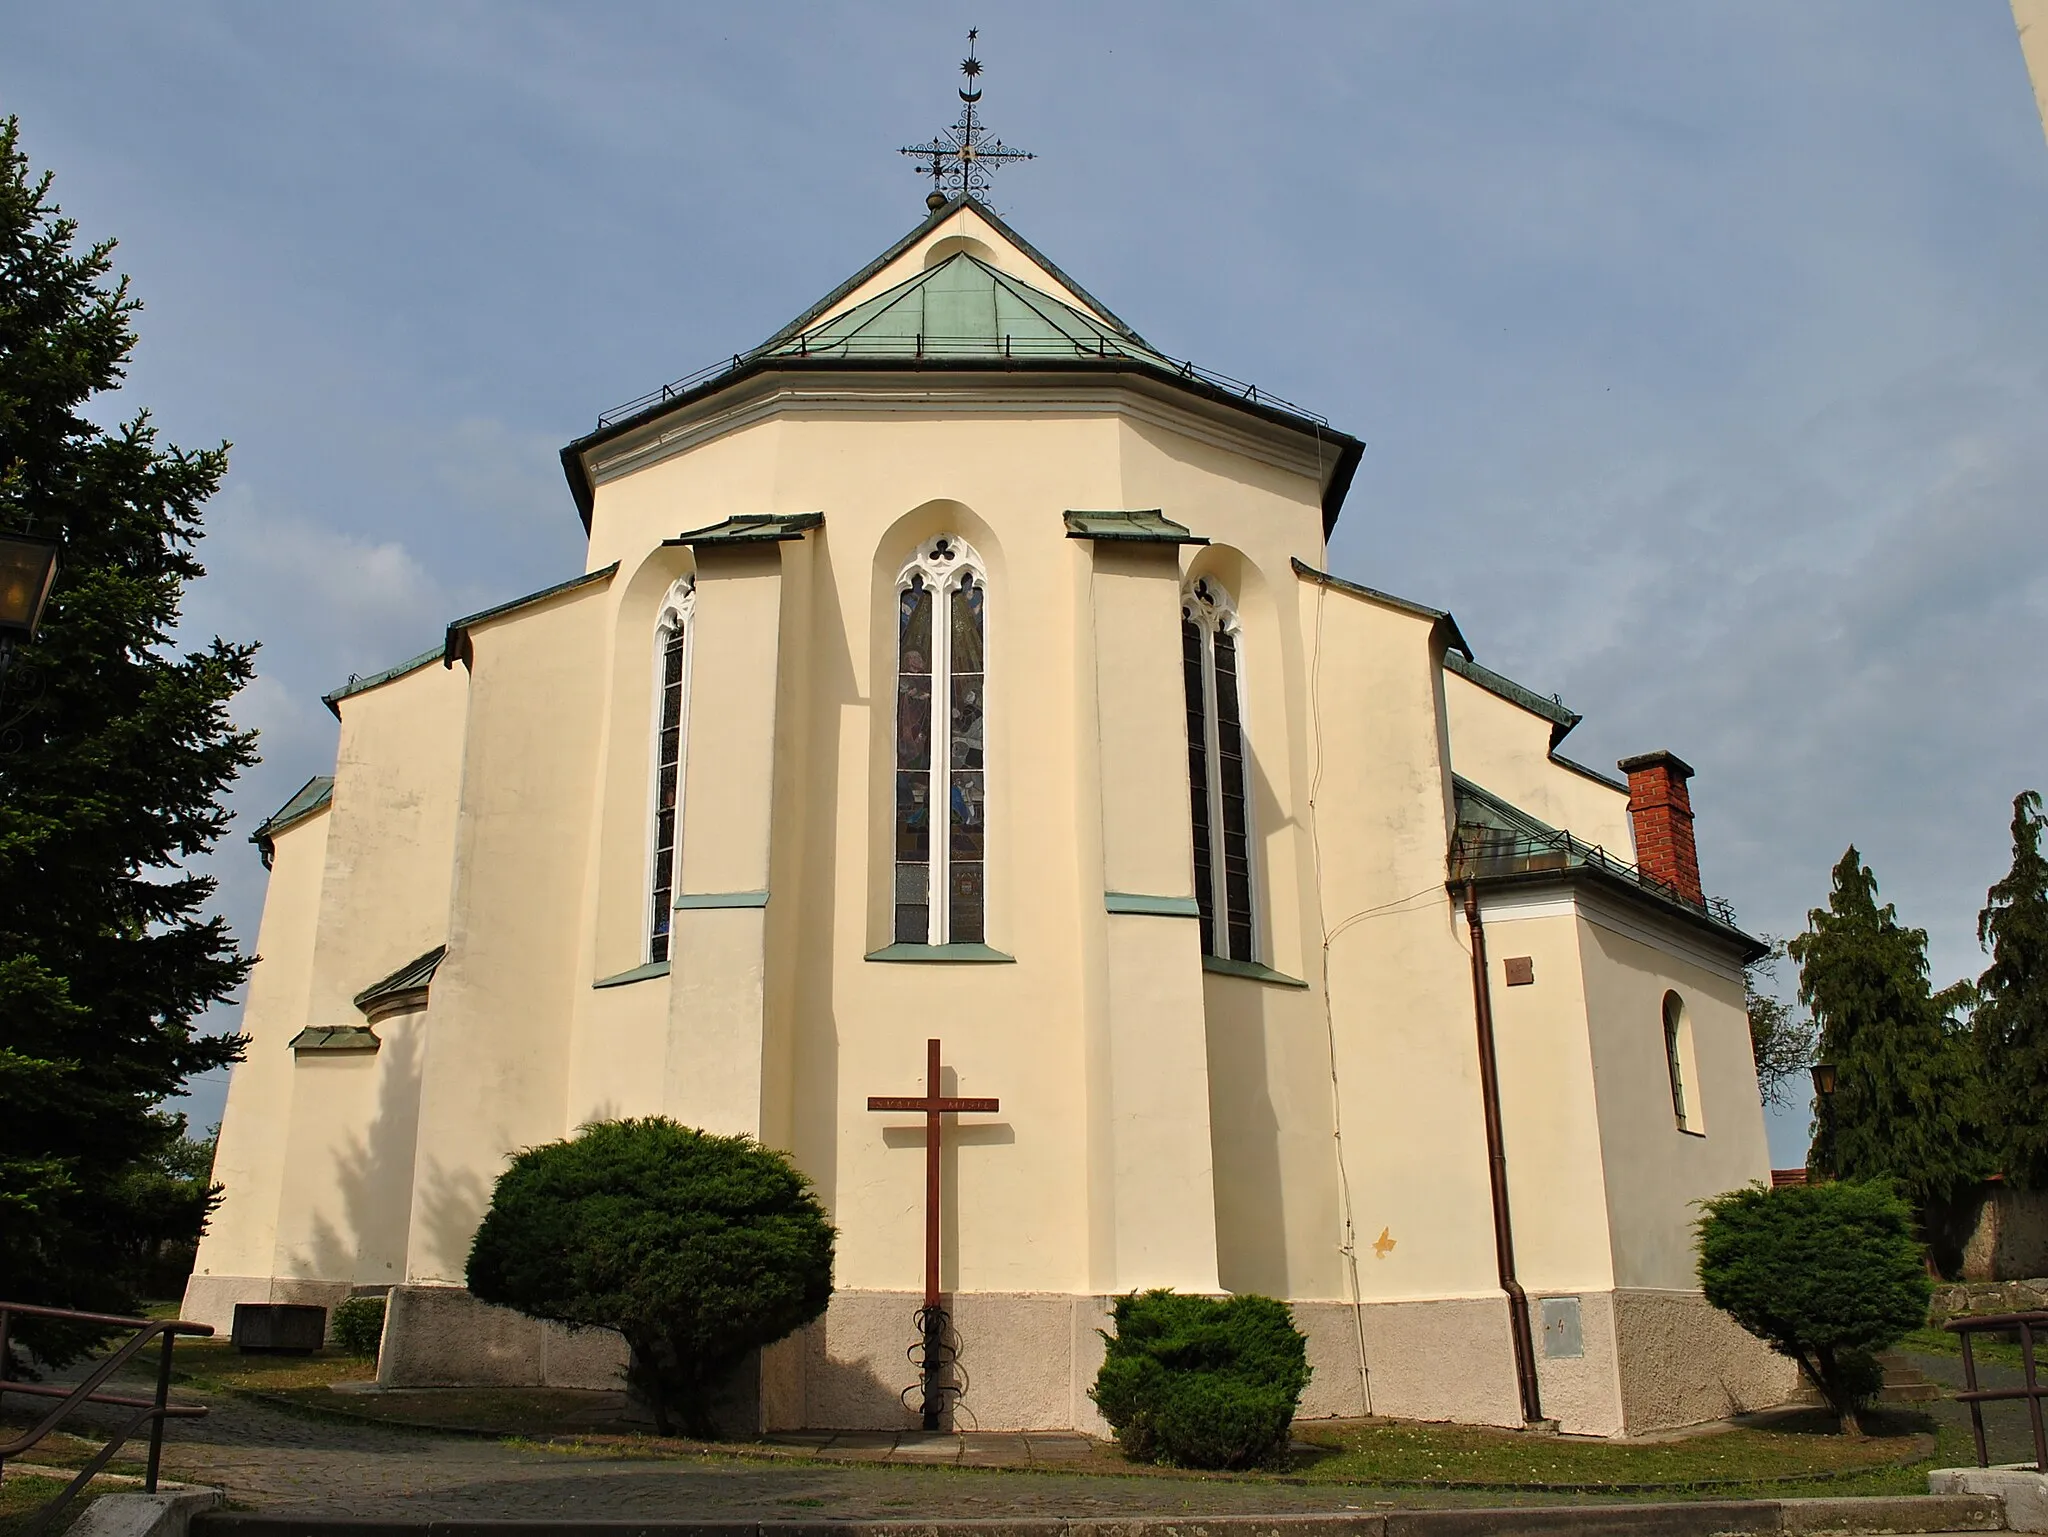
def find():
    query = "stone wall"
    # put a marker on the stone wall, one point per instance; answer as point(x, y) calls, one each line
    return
point(1992, 1233)
point(1975, 1298)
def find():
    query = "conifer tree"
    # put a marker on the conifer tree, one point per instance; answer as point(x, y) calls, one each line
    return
point(2011, 1019)
point(1905, 1088)
point(115, 748)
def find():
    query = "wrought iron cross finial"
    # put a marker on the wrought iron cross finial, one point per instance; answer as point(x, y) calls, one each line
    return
point(961, 159)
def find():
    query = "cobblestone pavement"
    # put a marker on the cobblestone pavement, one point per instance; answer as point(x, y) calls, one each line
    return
point(278, 1461)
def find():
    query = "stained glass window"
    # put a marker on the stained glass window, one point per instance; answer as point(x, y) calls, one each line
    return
point(941, 717)
point(672, 682)
point(1219, 780)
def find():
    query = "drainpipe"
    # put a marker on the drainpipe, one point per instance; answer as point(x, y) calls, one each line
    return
point(1497, 1169)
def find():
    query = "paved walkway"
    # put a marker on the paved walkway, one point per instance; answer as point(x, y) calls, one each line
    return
point(280, 1462)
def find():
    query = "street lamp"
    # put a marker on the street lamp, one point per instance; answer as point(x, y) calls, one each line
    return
point(1824, 1103)
point(28, 570)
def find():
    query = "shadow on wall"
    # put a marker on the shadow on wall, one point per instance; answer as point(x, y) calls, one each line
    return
point(373, 1174)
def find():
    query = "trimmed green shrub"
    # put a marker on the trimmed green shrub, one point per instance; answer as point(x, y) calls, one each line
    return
point(698, 1249)
point(1202, 1382)
point(358, 1326)
point(1828, 1274)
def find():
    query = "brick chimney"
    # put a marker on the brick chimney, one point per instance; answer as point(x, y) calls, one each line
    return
point(1661, 808)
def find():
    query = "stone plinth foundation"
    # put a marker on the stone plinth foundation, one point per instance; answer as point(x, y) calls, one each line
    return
point(1644, 1360)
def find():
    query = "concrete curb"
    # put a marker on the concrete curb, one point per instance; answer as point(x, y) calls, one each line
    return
point(167, 1513)
point(2021, 1486)
point(1697, 1518)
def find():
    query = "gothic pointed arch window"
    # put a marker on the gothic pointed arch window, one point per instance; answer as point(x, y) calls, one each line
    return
point(1218, 770)
point(941, 811)
point(673, 634)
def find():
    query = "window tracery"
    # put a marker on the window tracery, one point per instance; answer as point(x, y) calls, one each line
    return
point(941, 813)
point(1218, 778)
point(673, 633)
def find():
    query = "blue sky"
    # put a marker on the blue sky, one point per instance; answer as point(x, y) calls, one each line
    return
point(1701, 349)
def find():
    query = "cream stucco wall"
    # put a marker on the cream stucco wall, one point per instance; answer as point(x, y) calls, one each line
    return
point(2031, 17)
point(1504, 748)
point(234, 1260)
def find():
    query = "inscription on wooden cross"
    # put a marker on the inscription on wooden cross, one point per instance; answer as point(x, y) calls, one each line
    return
point(933, 1104)
point(931, 1318)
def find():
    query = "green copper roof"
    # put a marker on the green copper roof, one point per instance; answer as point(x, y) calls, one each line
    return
point(456, 648)
point(1451, 633)
point(1150, 526)
point(754, 528)
point(1561, 718)
point(311, 796)
point(405, 988)
point(356, 685)
point(335, 1038)
point(964, 308)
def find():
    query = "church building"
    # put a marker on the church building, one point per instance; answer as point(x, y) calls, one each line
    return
point(957, 665)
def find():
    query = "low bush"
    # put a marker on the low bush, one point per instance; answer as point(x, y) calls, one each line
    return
point(1828, 1274)
point(358, 1326)
point(1202, 1382)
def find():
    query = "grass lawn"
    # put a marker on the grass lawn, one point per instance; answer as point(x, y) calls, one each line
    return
point(1797, 1454)
point(22, 1496)
point(1983, 1347)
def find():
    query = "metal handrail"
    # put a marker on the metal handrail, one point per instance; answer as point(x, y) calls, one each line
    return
point(2033, 1392)
point(1479, 849)
point(155, 1409)
point(1006, 347)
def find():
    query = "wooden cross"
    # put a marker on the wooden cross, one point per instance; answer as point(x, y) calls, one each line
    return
point(933, 1104)
point(931, 1318)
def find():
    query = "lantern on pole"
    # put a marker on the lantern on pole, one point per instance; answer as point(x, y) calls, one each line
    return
point(28, 570)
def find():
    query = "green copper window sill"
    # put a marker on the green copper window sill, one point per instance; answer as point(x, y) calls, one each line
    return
point(971, 953)
point(637, 974)
point(339, 1038)
point(705, 901)
point(1150, 906)
point(1251, 971)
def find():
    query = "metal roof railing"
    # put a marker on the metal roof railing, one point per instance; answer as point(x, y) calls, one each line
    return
point(1479, 850)
point(961, 348)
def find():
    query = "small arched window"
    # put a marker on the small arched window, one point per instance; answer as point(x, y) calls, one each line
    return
point(1678, 1062)
point(1218, 777)
point(941, 811)
point(672, 638)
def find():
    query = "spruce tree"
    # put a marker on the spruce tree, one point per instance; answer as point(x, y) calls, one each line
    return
point(2011, 1019)
point(1905, 1088)
point(115, 748)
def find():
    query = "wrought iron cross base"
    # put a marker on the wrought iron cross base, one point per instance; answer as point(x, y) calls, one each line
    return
point(933, 1355)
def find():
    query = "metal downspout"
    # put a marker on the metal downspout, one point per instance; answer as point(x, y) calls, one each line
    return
point(1497, 1169)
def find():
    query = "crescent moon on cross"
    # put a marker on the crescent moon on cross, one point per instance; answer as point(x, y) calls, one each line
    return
point(970, 96)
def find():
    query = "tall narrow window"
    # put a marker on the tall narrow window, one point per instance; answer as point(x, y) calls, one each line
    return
point(941, 816)
point(671, 731)
point(1677, 1049)
point(1218, 772)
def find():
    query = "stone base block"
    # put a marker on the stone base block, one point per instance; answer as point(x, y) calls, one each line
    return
point(1640, 1361)
point(279, 1328)
point(2022, 1486)
point(441, 1336)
